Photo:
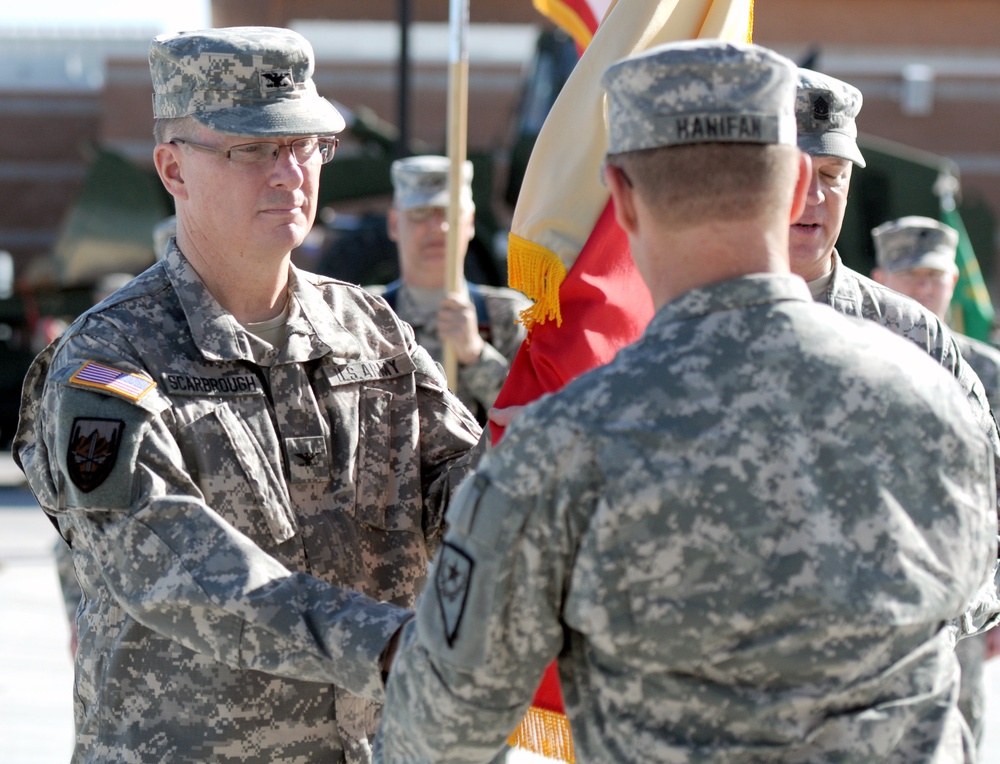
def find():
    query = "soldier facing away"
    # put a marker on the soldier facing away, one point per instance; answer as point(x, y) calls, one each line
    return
point(227, 437)
point(728, 552)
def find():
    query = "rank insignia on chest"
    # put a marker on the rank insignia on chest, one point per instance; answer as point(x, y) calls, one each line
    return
point(451, 583)
point(93, 451)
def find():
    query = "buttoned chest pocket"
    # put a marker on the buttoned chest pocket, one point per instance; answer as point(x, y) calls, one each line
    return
point(237, 477)
point(376, 477)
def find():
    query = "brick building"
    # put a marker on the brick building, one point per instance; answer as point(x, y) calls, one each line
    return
point(929, 72)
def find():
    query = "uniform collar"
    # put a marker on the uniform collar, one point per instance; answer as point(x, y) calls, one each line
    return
point(743, 292)
point(313, 329)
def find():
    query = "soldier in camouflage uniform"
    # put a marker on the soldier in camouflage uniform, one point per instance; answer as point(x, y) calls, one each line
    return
point(916, 256)
point(731, 554)
point(826, 110)
point(227, 437)
point(480, 321)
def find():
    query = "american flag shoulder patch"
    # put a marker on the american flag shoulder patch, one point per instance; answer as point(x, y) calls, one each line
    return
point(126, 384)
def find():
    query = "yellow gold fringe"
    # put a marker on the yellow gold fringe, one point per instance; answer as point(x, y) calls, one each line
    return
point(750, 23)
point(545, 733)
point(566, 18)
point(538, 272)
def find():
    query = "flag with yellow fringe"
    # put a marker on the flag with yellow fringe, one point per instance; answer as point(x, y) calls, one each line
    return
point(566, 251)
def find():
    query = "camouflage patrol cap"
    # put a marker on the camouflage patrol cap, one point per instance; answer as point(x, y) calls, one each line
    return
point(915, 242)
point(825, 109)
point(240, 80)
point(700, 91)
point(422, 181)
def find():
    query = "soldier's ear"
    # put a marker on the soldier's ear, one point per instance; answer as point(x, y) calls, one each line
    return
point(623, 195)
point(168, 161)
point(802, 184)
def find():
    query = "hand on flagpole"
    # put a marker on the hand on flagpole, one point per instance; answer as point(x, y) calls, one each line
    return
point(458, 325)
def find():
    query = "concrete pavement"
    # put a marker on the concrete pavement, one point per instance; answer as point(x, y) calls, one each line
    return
point(36, 674)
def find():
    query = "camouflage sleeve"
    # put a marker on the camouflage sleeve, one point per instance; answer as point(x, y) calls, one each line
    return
point(179, 568)
point(68, 585)
point(489, 621)
point(447, 453)
point(484, 378)
point(934, 336)
point(984, 609)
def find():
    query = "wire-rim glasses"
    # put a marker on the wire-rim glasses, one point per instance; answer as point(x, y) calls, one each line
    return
point(303, 150)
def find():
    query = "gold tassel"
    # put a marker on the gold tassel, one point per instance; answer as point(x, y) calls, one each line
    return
point(545, 733)
point(538, 273)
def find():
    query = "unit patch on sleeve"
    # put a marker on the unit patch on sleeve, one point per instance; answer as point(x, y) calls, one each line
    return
point(451, 584)
point(93, 451)
point(124, 384)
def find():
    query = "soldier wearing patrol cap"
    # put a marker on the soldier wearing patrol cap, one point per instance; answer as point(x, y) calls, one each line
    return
point(480, 321)
point(826, 112)
point(226, 438)
point(724, 564)
point(915, 256)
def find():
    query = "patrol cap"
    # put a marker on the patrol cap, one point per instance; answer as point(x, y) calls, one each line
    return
point(241, 80)
point(915, 242)
point(422, 181)
point(700, 91)
point(826, 108)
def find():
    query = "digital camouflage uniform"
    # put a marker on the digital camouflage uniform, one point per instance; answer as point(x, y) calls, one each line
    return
point(826, 109)
point(421, 182)
point(733, 539)
point(212, 488)
point(852, 294)
point(479, 382)
point(916, 242)
point(985, 361)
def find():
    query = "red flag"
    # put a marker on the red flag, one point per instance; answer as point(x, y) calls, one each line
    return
point(568, 253)
point(579, 18)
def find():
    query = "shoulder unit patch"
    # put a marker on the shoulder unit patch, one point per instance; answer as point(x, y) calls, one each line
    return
point(92, 451)
point(451, 584)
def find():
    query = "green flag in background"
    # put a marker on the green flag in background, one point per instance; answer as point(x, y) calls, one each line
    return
point(971, 309)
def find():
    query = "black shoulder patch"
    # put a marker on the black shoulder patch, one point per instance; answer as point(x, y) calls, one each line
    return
point(451, 583)
point(92, 451)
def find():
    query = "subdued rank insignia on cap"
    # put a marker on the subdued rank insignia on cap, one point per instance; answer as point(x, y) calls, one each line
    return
point(279, 79)
point(93, 451)
point(821, 109)
point(451, 582)
point(110, 380)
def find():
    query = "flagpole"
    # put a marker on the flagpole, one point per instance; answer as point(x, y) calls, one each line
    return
point(458, 107)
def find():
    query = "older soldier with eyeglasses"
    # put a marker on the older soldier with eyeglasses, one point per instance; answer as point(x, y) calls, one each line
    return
point(227, 437)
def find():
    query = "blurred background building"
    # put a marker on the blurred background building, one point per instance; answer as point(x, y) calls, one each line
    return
point(80, 199)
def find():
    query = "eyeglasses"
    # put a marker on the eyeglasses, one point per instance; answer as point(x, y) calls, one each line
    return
point(303, 150)
point(425, 214)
